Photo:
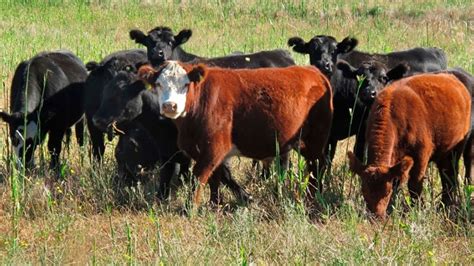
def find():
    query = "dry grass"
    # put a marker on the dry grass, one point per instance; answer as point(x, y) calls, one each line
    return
point(78, 219)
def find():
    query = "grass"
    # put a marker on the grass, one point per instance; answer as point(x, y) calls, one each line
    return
point(78, 219)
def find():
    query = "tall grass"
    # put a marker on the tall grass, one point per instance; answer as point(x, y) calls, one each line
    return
point(84, 217)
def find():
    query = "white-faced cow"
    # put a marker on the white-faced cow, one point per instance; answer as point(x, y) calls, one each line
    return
point(127, 103)
point(46, 98)
point(324, 51)
point(220, 113)
point(162, 44)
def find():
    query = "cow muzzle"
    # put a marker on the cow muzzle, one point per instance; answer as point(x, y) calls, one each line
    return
point(169, 108)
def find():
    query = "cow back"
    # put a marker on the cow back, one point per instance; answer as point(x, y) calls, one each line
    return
point(43, 76)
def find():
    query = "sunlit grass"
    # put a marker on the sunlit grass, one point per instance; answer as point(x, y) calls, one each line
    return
point(83, 218)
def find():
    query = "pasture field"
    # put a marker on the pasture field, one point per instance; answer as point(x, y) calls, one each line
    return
point(82, 218)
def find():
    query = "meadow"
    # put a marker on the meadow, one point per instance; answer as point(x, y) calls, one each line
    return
point(81, 217)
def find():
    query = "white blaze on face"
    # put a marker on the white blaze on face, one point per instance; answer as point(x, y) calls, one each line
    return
point(22, 136)
point(172, 87)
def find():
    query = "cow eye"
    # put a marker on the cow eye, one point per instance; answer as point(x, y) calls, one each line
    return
point(383, 79)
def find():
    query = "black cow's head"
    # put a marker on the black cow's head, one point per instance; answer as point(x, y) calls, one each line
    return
point(24, 131)
point(160, 42)
point(121, 101)
point(373, 77)
point(323, 50)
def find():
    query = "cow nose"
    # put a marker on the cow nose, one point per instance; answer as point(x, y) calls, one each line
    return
point(327, 66)
point(170, 107)
point(373, 94)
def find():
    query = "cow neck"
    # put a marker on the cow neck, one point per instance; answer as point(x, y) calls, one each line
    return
point(381, 136)
point(180, 55)
point(148, 114)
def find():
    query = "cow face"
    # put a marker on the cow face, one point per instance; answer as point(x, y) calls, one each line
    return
point(121, 101)
point(160, 42)
point(171, 83)
point(23, 136)
point(373, 77)
point(377, 181)
point(323, 50)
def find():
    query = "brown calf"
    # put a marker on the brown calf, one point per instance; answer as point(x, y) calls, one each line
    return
point(220, 112)
point(413, 121)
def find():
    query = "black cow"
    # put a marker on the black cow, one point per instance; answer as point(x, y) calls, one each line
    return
point(126, 100)
point(46, 97)
point(376, 76)
point(163, 45)
point(100, 74)
point(324, 52)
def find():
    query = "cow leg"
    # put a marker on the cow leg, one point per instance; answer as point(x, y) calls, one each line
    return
point(208, 161)
point(168, 170)
point(79, 128)
point(417, 175)
point(214, 184)
point(226, 177)
point(313, 152)
point(97, 139)
point(448, 169)
point(359, 146)
point(331, 151)
point(54, 146)
point(467, 160)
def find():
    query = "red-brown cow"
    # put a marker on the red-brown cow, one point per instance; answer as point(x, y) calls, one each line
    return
point(220, 112)
point(413, 121)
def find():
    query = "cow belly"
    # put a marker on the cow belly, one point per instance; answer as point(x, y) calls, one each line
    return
point(260, 143)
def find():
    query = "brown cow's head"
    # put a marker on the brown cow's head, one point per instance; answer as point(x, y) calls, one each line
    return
point(375, 77)
point(171, 82)
point(323, 50)
point(377, 181)
point(160, 42)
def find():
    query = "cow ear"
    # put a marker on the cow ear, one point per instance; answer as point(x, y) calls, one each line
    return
point(398, 72)
point(147, 74)
point(354, 164)
point(197, 74)
point(402, 169)
point(92, 65)
point(299, 45)
point(347, 70)
point(138, 36)
point(182, 37)
point(346, 45)
point(6, 117)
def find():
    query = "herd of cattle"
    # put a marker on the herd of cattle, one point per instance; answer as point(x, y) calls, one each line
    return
point(168, 106)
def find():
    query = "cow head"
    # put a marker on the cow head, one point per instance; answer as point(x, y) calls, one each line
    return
point(160, 42)
point(375, 77)
point(121, 100)
point(23, 135)
point(323, 50)
point(377, 181)
point(172, 84)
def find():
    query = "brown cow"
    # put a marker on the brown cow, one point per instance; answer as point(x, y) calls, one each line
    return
point(413, 121)
point(221, 112)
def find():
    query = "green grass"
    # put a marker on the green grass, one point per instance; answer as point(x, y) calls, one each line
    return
point(79, 218)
